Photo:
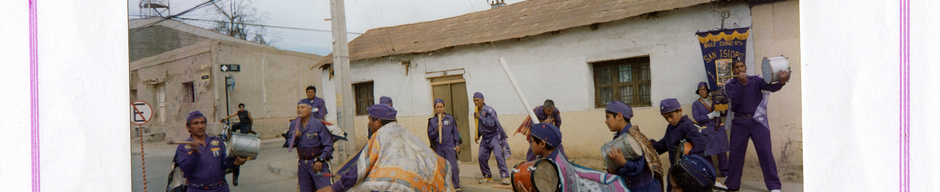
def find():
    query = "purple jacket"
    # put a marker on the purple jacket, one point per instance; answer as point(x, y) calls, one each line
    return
point(315, 140)
point(319, 107)
point(540, 113)
point(746, 98)
point(206, 167)
point(450, 138)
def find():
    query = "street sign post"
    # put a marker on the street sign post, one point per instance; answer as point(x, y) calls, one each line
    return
point(141, 113)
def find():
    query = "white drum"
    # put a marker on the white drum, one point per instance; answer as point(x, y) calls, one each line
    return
point(244, 145)
point(772, 65)
point(629, 147)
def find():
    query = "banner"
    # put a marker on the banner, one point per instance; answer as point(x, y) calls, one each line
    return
point(719, 48)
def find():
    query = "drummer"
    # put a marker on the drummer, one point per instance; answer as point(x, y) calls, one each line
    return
point(547, 113)
point(314, 149)
point(746, 96)
point(680, 129)
point(636, 173)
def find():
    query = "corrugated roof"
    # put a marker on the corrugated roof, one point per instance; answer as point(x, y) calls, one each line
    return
point(527, 18)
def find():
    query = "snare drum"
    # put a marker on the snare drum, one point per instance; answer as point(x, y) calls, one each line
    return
point(770, 67)
point(244, 145)
point(541, 175)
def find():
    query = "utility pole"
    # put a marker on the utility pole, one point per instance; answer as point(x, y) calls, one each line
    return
point(344, 94)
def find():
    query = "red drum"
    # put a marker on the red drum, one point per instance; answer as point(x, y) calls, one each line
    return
point(540, 175)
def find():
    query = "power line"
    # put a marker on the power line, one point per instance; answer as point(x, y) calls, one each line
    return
point(261, 25)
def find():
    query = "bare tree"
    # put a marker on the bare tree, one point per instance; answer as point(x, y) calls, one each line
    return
point(240, 20)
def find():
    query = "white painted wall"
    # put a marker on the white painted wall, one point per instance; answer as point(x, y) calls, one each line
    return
point(556, 66)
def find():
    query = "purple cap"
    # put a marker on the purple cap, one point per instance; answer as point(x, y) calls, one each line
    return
point(305, 102)
point(478, 95)
point(383, 112)
point(620, 107)
point(702, 84)
point(436, 101)
point(547, 132)
point(195, 115)
point(669, 105)
point(385, 100)
point(699, 168)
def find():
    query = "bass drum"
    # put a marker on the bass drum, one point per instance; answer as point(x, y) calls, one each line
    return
point(541, 175)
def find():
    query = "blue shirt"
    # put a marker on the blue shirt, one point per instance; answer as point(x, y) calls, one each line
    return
point(315, 140)
point(206, 166)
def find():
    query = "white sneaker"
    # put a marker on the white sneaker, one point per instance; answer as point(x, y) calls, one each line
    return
point(720, 185)
point(775, 190)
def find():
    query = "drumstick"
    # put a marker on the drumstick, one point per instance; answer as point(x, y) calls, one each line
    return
point(525, 103)
point(292, 135)
point(181, 142)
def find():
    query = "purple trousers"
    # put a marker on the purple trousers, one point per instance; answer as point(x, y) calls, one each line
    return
point(309, 180)
point(741, 131)
point(451, 155)
point(722, 163)
point(486, 147)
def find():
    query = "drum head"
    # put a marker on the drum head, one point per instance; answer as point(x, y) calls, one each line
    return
point(545, 177)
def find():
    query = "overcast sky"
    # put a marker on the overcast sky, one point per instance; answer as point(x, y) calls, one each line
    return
point(361, 15)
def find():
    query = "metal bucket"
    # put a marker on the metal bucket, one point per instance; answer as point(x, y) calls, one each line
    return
point(244, 145)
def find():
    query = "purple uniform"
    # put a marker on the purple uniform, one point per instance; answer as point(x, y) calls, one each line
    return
point(744, 102)
point(674, 134)
point(556, 120)
point(493, 141)
point(445, 143)
point(314, 144)
point(319, 107)
point(205, 170)
point(717, 139)
point(635, 173)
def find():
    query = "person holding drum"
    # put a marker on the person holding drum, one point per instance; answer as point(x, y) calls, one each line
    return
point(494, 140)
point(314, 149)
point(745, 93)
point(679, 131)
point(318, 106)
point(703, 112)
point(636, 172)
point(202, 157)
point(444, 138)
point(547, 113)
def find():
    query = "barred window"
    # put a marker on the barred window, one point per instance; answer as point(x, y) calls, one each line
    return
point(364, 97)
point(627, 80)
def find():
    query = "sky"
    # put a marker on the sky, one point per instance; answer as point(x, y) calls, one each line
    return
point(361, 15)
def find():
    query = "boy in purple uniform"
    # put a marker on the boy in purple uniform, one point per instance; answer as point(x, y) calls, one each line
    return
point(203, 159)
point(445, 139)
point(314, 149)
point(679, 130)
point(746, 96)
point(494, 140)
point(636, 174)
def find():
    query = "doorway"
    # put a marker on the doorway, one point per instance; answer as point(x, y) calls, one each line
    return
point(453, 90)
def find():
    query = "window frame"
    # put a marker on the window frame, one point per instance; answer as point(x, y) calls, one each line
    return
point(638, 79)
point(359, 89)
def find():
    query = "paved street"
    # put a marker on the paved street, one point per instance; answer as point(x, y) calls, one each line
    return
point(276, 170)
